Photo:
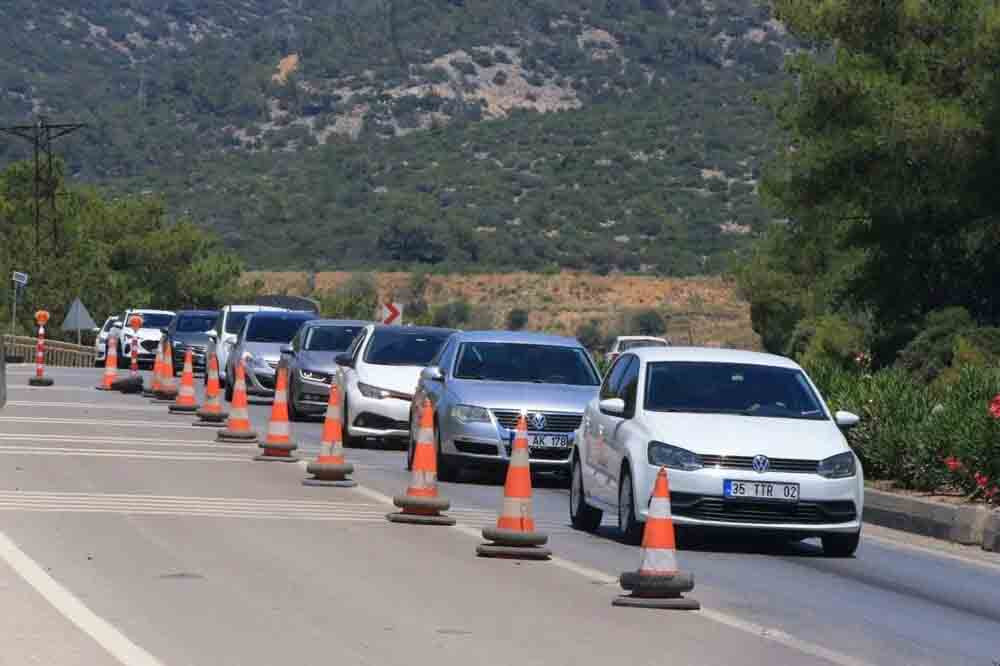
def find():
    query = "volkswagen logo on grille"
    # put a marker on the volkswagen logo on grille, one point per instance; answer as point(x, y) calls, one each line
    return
point(538, 421)
point(760, 464)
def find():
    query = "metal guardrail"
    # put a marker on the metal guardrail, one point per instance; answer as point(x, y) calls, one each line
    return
point(62, 354)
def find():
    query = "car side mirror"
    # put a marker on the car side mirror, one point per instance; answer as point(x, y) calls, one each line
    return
point(213, 336)
point(344, 360)
point(846, 420)
point(287, 349)
point(612, 406)
point(432, 374)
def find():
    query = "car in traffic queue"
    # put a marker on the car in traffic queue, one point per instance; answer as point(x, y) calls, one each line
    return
point(227, 326)
point(625, 342)
point(482, 382)
point(147, 337)
point(189, 330)
point(747, 439)
point(378, 375)
point(258, 345)
point(311, 365)
point(101, 341)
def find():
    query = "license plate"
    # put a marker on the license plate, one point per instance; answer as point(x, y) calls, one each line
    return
point(545, 441)
point(782, 492)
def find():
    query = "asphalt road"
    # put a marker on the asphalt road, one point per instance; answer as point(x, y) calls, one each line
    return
point(127, 535)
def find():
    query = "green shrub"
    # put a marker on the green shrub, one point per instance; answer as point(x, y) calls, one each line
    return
point(452, 315)
point(354, 299)
point(827, 339)
point(931, 351)
point(589, 334)
point(517, 319)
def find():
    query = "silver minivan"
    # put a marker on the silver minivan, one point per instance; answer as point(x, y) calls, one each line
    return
point(481, 382)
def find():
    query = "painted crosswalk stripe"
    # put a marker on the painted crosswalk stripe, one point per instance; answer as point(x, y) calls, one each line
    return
point(85, 405)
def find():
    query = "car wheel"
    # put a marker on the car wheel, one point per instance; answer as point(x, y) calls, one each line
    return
point(581, 515)
point(628, 524)
point(446, 470)
point(229, 390)
point(293, 413)
point(350, 440)
point(411, 446)
point(840, 545)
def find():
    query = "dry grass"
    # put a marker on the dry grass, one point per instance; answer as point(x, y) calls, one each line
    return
point(699, 310)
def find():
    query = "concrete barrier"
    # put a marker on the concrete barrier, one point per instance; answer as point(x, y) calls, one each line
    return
point(965, 524)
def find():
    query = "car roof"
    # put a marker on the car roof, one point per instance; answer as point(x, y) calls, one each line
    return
point(518, 337)
point(197, 312)
point(283, 314)
point(639, 337)
point(148, 311)
point(336, 322)
point(254, 308)
point(711, 355)
point(412, 329)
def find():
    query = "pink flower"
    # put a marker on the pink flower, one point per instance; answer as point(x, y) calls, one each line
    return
point(953, 463)
point(991, 492)
point(995, 406)
point(981, 479)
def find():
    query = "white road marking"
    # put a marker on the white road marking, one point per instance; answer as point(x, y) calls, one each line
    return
point(939, 551)
point(121, 453)
point(86, 405)
point(92, 423)
point(99, 629)
point(766, 633)
point(31, 438)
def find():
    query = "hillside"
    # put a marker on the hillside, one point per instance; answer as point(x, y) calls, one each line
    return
point(577, 133)
point(699, 310)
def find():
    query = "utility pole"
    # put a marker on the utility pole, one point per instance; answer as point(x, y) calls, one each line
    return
point(41, 135)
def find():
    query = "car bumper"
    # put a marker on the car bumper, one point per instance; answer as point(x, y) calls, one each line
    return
point(377, 417)
point(197, 358)
point(142, 357)
point(260, 381)
point(489, 444)
point(310, 397)
point(824, 505)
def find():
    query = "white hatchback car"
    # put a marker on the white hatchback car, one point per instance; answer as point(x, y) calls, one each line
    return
point(748, 441)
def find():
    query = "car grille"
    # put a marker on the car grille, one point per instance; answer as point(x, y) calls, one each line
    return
point(379, 422)
point(149, 345)
point(265, 381)
point(546, 453)
point(475, 448)
point(554, 421)
point(804, 513)
point(792, 465)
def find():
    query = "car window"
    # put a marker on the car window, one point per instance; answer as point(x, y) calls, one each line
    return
point(636, 344)
point(331, 338)
point(108, 325)
point(404, 347)
point(150, 320)
point(731, 388)
point(613, 380)
point(234, 321)
point(629, 386)
point(520, 362)
point(195, 323)
point(356, 345)
point(446, 357)
point(273, 328)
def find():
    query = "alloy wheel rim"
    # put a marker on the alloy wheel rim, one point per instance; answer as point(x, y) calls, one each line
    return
point(574, 489)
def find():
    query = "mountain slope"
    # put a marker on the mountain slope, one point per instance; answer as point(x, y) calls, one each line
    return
point(611, 133)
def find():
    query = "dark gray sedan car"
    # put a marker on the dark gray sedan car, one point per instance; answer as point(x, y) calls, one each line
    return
point(310, 359)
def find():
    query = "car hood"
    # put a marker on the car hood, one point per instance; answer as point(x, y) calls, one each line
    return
point(737, 435)
point(399, 378)
point(522, 395)
point(319, 361)
point(192, 338)
point(145, 333)
point(269, 351)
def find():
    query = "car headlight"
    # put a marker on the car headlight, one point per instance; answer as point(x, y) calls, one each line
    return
point(839, 466)
point(320, 377)
point(470, 414)
point(375, 392)
point(674, 457)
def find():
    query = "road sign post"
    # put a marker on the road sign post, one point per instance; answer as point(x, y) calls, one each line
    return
point(391, 314)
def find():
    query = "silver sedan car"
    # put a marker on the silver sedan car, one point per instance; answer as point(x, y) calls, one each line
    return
point(481, 382)
point(311, 365)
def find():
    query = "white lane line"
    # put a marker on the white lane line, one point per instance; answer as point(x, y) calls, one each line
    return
point(257, 501)
point(99, 629)
point(94, 423)
point(31, 438)
point(117, 453)
point(766, 633)
point(86, 405)
point(49, 389)
point(927, 550)
point(142, 511)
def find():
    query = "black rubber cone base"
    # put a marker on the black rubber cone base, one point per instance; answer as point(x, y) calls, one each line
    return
point(656, 586)
point(128, 385)
point(513, 552)
point(230, 437)
point(40, 381)
point(505, 537)
point(418, 519)
point(421, 503)
point(216, 417)
point(182, 409)
point(266, 458)
point(342, 483)
point(675, 603)
point(210, 424)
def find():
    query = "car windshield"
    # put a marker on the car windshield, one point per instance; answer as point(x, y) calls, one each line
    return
point(730, 388)
point(155, 320)
point(195, 323)
point(331, 338)
point(235, 321)
point(635, 344)
point(109, 324)
point(274, 328)
point(518, 362)
point(404, 347)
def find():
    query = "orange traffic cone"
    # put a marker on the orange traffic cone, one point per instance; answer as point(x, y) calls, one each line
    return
point(132, 383)
point(329, 468)
point(278, 444)
point(110, 365)
point(515, 535)
point(168, 385)
point(658, 583)
point(41, 318)
point(186, 402)
point(211, 413)
point(154, 382)
point(421, 504)
point(238, 428)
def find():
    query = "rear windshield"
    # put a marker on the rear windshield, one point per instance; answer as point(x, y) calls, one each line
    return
point(235, 320)
point(195, 323)
point(331, 338)
point(404, 347)
point(730, 388)
point(635, 344)
point(274, 328)
point(155, 320)
point(513, 362)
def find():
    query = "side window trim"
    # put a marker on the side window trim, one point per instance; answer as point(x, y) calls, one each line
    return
point(609, 388)
point(630, 377)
